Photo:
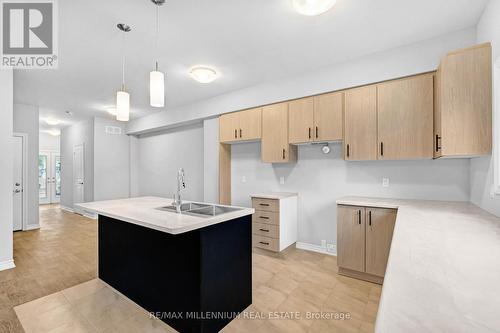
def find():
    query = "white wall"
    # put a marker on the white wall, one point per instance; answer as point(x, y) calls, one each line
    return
point(211, 160)
point(402, 61)
point(6, 121)
point(111, 161)
point(26, 121)
point(162, 154)
point(321, 179)
point(49, 142)
point(71, 136)
point(482, 169)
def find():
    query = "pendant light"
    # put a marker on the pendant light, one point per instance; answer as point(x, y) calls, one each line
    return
point(157, 78)
point(122, 96)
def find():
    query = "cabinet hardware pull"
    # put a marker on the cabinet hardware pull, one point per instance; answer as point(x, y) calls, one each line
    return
point(359, 216)
point(265, 230)
point(264, 217)
point(381, 149)
point(370, 218)
point(241, 131)
point(236, 134)
point(262, 204)
point(283, 153)
point(347, 150)
point(309, 132)
point(317, 133)
point(265, 243)
point(438, 147)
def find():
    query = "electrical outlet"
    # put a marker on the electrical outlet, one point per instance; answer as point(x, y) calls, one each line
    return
point(244, 179)
point(385, 182)
point(323, 243)
point(330, 247)
point(282, 180)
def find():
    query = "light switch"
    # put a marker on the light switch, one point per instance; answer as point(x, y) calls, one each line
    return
point(282, 180)
point(385, 182)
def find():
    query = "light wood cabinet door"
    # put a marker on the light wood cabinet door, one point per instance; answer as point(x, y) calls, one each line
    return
point(300, 120)
point(250, 124)
point(465, 97)
point(379, 229)
point(229, 125)
point(360, 124)
point(328, 117)
point(351, 237)
point(405, 118)
point(275, 146)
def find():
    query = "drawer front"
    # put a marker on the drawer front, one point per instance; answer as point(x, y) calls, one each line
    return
point(268, 230)
point(266, 217)
point(266, 243)
point(268, 205)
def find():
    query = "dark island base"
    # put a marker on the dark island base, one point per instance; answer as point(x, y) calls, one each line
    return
point(195, 282)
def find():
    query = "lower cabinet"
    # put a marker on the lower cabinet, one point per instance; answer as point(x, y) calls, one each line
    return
point(364, 236)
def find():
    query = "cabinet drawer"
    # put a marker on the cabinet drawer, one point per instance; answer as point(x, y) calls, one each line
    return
point(267, 230)
point(268, 205)
point(266, 243)
point(266, 217)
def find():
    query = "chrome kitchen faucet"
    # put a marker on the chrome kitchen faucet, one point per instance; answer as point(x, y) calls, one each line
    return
point(180, 183)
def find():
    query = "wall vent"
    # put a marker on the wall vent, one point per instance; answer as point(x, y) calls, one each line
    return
point(113, 130)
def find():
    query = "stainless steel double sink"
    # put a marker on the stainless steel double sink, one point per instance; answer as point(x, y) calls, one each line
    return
point(200, 209)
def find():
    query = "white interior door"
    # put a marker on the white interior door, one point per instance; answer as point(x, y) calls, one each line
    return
point(78, 173)
point(43, 178)
point(18, 183)
point(55, 167)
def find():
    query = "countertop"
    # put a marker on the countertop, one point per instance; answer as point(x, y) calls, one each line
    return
point(274, 195)
point(443, 273)
point(142, 211)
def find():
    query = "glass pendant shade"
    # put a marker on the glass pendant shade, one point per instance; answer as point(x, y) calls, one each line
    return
point(157, 89)
point(122, 106)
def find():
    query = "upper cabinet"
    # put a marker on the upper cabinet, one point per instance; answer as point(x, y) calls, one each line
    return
point(240, 126)
point(405, 118)
point(316, 118)
point(360, 124)
point(275, 144)
point(463, 106)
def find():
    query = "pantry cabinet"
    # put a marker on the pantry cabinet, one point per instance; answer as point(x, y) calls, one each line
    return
point(241, 126)
point(405, 118)
point(275, 144)
point(463, 116)
point(364, 236)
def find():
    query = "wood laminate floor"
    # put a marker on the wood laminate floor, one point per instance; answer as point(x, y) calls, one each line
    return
point(287, 288)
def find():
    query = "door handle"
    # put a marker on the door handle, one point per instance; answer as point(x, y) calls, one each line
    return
point(437, 142)
point(17, 184)
point(348, 150)
point(283, 153)
point(370, 218)
point(309, 132)
point(241, 132)
point(359, 216)
point(317, 132)
point(265, 230)
point(264, 243)
point(17, 191)
point(381, 149)
point(236, 134)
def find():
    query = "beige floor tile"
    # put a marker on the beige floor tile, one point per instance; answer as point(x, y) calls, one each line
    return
point(40, 306)
point(267, 299)
point(80, 291)
point(51, 320)
point(283, 283)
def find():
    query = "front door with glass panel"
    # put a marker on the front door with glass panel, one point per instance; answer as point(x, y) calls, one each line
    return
point(49, 177)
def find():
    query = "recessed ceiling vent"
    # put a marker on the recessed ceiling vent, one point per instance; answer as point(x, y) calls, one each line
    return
point(113, 130)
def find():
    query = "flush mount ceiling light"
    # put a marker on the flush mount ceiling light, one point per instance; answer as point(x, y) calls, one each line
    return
point(54, 132)
point(313, 7)
point(157, 78)
point(203, 74)
point(52, 121)
point(122, 96)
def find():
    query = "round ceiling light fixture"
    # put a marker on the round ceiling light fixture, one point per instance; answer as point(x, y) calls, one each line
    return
point(203, 74)
point(52, 121)
point(313, 7)
point(54, 132)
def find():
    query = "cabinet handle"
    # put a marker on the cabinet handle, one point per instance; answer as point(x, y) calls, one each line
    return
point(438, 147)
point(381, 149)
point(265, 243)
point(264, 204)
point(265, 230)
point(283, 153)
point(359, 216)
point(348, 150)
point(370, 218)
point(236, 134)
point(309, 132)
point(241, 132)
point(264, 217)
point(317, 132)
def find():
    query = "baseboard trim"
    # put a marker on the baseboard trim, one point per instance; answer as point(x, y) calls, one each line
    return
point(315, 248)
point(71, 210)
point(32, 227)
point(8, 264)
point(90, 215)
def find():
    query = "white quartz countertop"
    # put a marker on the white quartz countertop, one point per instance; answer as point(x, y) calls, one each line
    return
point(443, 273)
point(274, 195)
point(142, 211)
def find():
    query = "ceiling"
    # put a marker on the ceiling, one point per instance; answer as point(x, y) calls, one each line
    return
point(247, 41)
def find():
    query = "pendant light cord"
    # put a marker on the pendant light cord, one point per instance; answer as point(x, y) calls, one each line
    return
point(157, 34)
point(123, 62)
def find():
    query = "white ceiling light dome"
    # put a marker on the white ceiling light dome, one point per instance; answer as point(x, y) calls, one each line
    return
point(54, 132)
point(313, 7)
point(52, 121)
point(203, 74)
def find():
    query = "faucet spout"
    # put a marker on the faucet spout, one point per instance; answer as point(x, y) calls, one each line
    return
point(181, 184)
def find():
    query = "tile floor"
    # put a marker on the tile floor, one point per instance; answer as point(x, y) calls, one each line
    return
point(64, 252)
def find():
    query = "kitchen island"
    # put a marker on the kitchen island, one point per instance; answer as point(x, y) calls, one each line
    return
point(193, 270)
